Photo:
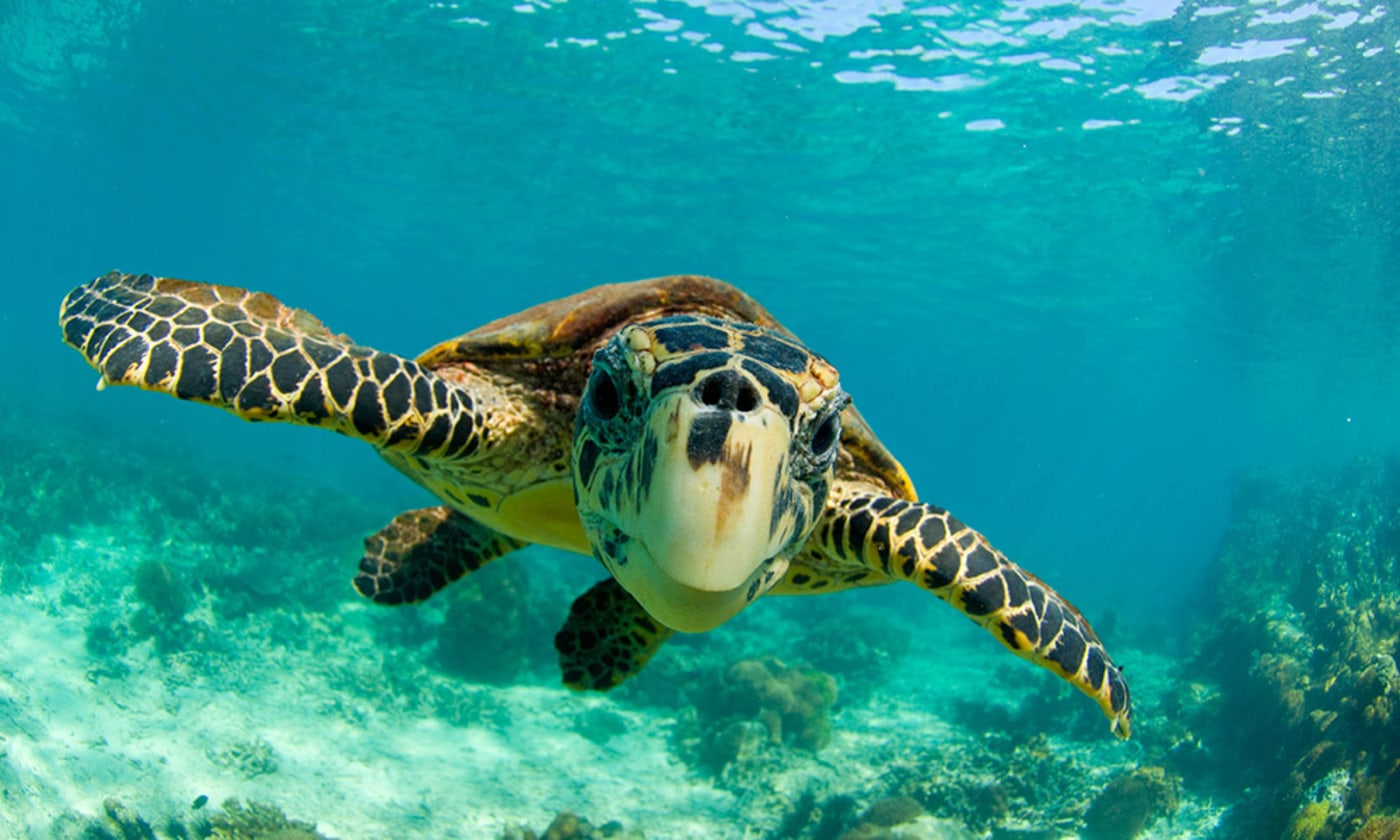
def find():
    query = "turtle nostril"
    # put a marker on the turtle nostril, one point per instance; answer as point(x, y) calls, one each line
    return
point(747, 399)
point(711, 391)
point(728, 390)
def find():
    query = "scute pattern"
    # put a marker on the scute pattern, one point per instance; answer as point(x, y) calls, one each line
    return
point(927, 546)
point(607, 638)
point(249, 354)
point(421, 551)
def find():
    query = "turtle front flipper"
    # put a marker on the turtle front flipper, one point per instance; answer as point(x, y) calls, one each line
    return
point(927, 546)
point(247, 353)
point(607, 638)
point(422, 551)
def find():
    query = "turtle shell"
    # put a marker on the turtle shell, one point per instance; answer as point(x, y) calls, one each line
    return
point(551, 346)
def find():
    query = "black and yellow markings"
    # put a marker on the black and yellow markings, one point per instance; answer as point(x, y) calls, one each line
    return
point(690, 335)
point(705, 442)
point(686, 370)
point(607, 638)
point(421, 551)
point(929, 547)
point(247, 353)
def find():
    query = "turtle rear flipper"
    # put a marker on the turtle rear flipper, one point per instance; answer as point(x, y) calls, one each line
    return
point(422, 551)
point(249, 354)
point(607, 638)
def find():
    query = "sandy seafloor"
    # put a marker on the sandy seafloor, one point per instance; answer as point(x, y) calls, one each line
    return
point(309, 712)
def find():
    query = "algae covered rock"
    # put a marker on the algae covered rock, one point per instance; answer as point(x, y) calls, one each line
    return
point(160, 589)
point(792, 703)
point(118, 822)
point(255, 821)
point(567, 825)
point(1378, 828)
point(1130, 803)
point(1302, 635)
point(235, 821)
point(892, 811)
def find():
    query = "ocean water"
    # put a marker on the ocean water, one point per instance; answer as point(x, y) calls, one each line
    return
point(1095, 271)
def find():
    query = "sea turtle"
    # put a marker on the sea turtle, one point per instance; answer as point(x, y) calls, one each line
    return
point(669, 427)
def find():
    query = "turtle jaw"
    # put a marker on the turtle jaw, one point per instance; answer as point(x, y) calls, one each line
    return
point(705, 510)
point(686, 608)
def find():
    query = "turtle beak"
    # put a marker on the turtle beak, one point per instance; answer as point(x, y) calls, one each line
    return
point(714, 510)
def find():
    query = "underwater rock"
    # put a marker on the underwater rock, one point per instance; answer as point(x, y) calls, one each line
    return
point(893, 810)
point(792, 702)
point(1309, 822)
point(254, 821)
point(118, 822)
point(249, 758)
point(570, 826)
point(990, 804)
point(1378, 828)
point(744, 715)
point(1301, 634)
point(160, 589)
point(1130, 803)
point(600, 725)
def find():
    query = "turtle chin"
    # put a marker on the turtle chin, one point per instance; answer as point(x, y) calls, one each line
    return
point(687, 608)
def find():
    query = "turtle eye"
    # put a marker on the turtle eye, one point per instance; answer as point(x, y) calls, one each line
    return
point(825, 437)
point(602, 395)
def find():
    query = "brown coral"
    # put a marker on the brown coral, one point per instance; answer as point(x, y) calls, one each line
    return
point(1378, 828)
point(792, 702)
point(1129, 803)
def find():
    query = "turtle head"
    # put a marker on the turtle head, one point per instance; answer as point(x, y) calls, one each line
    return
point(703, 452)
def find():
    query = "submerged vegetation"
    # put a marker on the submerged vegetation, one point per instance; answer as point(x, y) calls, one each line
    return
point(1303, 648)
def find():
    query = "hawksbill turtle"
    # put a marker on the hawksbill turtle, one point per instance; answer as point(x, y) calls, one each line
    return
point(671, 428)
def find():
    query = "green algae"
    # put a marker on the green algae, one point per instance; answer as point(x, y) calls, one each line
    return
point(1302, 641)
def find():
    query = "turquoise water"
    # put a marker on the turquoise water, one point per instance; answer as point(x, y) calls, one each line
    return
point(1081, 264)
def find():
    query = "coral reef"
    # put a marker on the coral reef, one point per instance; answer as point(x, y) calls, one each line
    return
point(117, 822)
point(159, 588)
point(758, 701)
point(253, 821)
point(1130, 803)
point(250, 759)
point(570, 826)
point(235, 821)
point(893, 810)
point(1302, 637)
point(1378, 828)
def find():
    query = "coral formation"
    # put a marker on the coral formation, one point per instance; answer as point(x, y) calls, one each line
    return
point(254, 821)
point(1130, 803)
point(117, 822)
point(893, 810)
point(248, 758)
point(1308, 822)
point(234, 821)
point(159, 588)
point(793, 702)
point(570, 826)
point(1303, 640)
point(1378, 828)
point(763, 700)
